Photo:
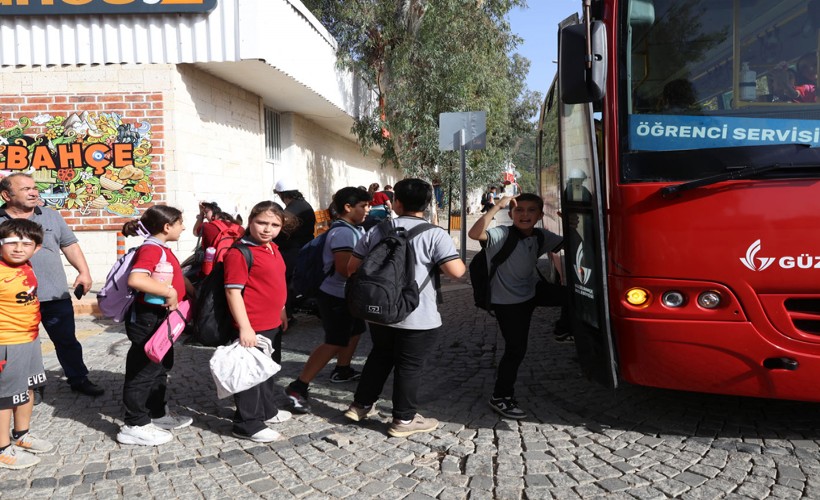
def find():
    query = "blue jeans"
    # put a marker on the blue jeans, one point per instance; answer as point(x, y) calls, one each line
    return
point(58, 320)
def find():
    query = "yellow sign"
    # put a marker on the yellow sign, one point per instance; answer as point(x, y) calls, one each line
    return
point(63, 7)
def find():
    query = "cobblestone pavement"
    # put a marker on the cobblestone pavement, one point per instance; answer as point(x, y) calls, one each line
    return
point(579, 441)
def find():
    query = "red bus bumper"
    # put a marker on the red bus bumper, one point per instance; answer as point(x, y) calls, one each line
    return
point(713, 357)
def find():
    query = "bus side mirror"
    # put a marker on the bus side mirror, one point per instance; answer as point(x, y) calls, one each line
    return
point(580, 84)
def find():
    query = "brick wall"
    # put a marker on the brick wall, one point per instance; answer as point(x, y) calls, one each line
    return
point(132, 107)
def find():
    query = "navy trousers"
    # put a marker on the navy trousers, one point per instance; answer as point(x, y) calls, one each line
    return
point(58, 320)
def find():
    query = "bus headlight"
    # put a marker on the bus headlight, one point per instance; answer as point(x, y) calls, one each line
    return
point(673, 299)
point(709, 300)
point(637, 296)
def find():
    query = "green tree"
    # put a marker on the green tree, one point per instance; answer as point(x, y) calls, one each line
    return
point(423, 58)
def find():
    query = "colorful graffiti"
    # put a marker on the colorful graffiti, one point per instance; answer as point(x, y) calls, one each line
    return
point(93, 163)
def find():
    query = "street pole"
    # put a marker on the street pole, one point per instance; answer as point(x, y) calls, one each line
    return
point(463, 150)
point(449, 199)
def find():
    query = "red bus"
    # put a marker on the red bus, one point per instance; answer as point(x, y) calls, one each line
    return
point(681, 138)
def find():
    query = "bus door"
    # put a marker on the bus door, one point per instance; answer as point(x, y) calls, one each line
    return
point(584, 242)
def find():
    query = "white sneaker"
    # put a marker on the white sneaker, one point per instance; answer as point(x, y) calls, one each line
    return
point(264, 436)
point(12, 458)
point(143, 435)
point(281, 416)
point(172, 421)
point(32, 444)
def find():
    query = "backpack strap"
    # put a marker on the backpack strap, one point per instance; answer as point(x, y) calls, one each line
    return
point(155, 243)
point(412, 233)
point(246, 253)
point(513, 237)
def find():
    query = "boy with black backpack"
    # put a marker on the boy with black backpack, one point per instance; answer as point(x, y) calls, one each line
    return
point(342, 331)
point(405, 345)
point(512, 286)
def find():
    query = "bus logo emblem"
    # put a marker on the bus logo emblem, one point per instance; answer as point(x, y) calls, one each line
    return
point(583, 273)
point(749, 260)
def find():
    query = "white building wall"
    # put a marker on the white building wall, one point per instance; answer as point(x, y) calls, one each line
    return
point(322, 162)
point(215, 147)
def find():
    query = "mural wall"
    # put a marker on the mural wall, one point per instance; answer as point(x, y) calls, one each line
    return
point(88, 163)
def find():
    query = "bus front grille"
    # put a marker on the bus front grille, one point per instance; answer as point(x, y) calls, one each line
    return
point(804, 314)
point(795, 316)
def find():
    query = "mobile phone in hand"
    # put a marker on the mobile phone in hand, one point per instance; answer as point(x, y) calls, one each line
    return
point(78, 291)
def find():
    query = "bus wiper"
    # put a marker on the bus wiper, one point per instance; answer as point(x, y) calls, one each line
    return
point(734, 174)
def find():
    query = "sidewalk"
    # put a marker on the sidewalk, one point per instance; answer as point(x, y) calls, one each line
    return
point(324, 455)
point(579, 441)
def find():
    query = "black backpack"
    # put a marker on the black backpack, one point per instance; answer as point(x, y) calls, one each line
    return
point(308, 271)
point(213, 323)
point(383, 289)
point(480, 276)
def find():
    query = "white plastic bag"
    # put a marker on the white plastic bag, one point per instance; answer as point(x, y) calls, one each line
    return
point(236, 368)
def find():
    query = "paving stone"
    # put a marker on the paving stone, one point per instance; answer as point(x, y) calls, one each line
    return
point(483, 483)
point(43, 482)
point(671, 487)
point(454, 493)
point(753, 490)
point(533, 480)
point(374, 487)
point(613, 485)
point(263, 485)
point(64, 481)
point(14, 484)
point(117, 473)
point(94, 477)
point(691, 479)
point(405, 483)
point(646, 493)
point(95, 467)
point(403, 469)
point(300, 490)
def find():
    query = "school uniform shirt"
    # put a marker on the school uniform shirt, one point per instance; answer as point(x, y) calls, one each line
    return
point(433, 248)
point(514, 281)
point(19, 307)
point(264, 288)
point(342, 238)
point(379, 199)
point(148, 256)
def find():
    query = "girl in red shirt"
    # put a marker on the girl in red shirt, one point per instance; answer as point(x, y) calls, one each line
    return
point(147, 418)
point(256, 298)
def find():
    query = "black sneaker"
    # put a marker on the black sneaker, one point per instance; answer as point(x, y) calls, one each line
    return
point(88, 388)
point(507, 407)
point(38, 395)
point(299, 402)
point(344, 374)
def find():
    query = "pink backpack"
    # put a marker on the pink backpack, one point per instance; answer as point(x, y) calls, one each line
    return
point(115, 297)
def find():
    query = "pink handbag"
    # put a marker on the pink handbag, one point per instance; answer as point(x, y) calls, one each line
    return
point(168, 332)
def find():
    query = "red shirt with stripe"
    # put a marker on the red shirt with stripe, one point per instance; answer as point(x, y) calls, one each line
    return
point(148, 256)
point(264, 286)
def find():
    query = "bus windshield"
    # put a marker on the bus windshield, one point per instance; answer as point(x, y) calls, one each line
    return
point(716, 74)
